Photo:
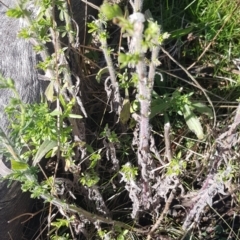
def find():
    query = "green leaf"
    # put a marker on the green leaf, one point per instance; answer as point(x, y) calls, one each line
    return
point(202, 108)
point(56, 112)
point(134, 106)
point(50, 91)
point(89, 179)
point(120, 237)
point(15, 165)
point(60, 223)
point(181, 32)
point(46, 146)
point(94, 160)
point(159, 106)
point(62, 101)
point(192, 121)
point(125, 113)
point(17, 13)
point(75, 116)
point(100, 73)
point(126, 59)
point(89, 148)
point(6, 83)
point(111, 11)
point(8, 146)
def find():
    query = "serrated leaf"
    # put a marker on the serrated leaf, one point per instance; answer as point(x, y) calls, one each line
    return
point(46, 146)
point(193, 122)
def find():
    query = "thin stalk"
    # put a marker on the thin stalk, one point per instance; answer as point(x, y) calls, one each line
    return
point(116, 94)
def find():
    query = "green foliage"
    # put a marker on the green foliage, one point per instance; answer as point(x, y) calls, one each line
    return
point(125, 112)
point(60, 223)
point(42, 151)
point(177, 165)
point(89, 178)
point(228, 176)
point(18, 166)
point(110, 135)
point(129, 172)
point(193, 122)
point(28, 185)
point(102, 233)
point(94, 158)
point(92, 27)
point(35, 127)
point(7, 83)
point(128, 59)
point(118, 234)
point(111, 11)
point(39, 126)
point(183, 105)
point(65, 236)
point(17, 12)
point(39, 190)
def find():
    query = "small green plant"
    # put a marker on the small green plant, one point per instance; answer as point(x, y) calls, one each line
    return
point(177, 165)
point(129, 172)
point(89, 178)
point(118, 234)
point(110, 135)
point(184, 106)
